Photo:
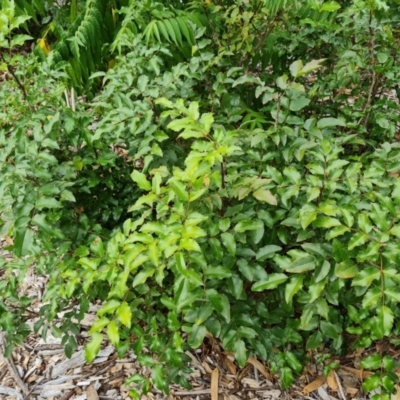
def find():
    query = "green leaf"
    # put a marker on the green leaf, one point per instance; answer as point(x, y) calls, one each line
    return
point(267, 251)
point(23, 242)
point(385, 318)
point(229, 242)
point(109, 307)
point(329, 122)
point(196, 336)
point(93, 347)
point(337, 231)
point(113, 333)
point(330, 6)
point(373, 361)
point(215, 299)
point(142, 276)
point(326, 222)
point(265, 196)
point(372, 297)
point(394, 295)
point(287, 377)
point(239, 349)
point(153, 253)
point(357, 240)
point(141, 180)
point(312, 66)
point(328, 330)
point(346, 269)
point(366, 276)
point(158, 378)
point(314, 341)
point(273, 281)
point(47, 202)
point(302, 264)
point(299, 103)
point(244, 226)
point(371, 383)
point(179, 188)
point(142, 84)
point(124, 314)
point(295, 68)
point(293, 286)
point(293, 361)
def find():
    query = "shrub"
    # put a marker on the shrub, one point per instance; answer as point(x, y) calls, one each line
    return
point(247, 191)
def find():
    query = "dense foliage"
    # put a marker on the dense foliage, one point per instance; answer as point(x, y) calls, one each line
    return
point(235, 176)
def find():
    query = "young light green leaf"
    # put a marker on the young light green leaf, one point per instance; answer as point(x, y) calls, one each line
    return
point(93, 347)
point(113, 333)
point(141, 180)
point(124, 314)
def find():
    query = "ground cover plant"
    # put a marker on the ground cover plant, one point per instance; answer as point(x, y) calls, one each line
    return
point(234, 174)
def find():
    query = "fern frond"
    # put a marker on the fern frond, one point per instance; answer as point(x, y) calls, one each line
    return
point(176, 29)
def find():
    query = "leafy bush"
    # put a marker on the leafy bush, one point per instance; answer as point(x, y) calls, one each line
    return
point(245, 190)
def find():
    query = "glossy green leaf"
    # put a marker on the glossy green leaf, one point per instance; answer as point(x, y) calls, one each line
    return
point(196, 336)
point(293, 286)
point(244, 226)
point(239, 349)
point(141, 180)
point(267, 252)
point(273, 281)
point(229, 242)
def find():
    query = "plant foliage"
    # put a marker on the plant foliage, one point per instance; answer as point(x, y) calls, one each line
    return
point(236, 178)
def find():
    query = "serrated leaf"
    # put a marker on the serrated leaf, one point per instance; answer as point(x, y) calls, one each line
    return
point(179, 188)
point(215, 299)
point(93, 347)
point(141, 180)
point(109, 307)
point(346, 269)
point(357, 240)
point(142, 276)
point(371, 297)
point(113, 333)
point(124, 314)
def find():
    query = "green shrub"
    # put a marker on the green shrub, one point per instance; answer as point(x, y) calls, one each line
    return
point(235, 191)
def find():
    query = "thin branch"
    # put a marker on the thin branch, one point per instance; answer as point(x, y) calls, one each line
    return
point(11, 71)
point(267, 31)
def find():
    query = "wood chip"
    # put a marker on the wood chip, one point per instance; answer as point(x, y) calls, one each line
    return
point(214, 384)
point(314, 385)
point(260, 367)
point(91, 393)
point(331, 381)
